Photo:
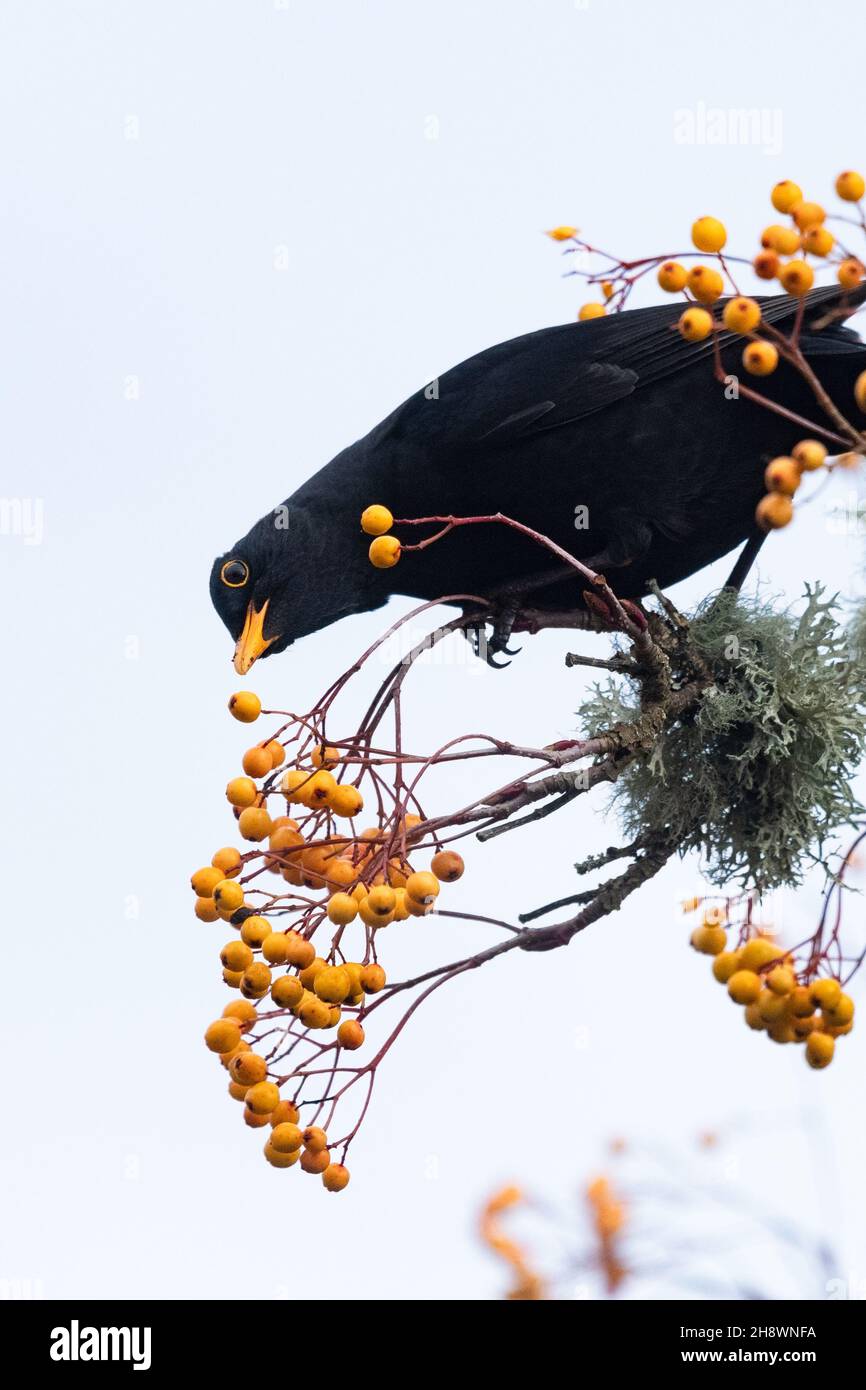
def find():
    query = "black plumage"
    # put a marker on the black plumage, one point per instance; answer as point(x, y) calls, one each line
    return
point(617, 415)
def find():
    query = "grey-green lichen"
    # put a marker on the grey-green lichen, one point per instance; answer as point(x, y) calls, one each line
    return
point(758, 776)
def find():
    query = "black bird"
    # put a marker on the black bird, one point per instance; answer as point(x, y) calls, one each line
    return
point(618, 416)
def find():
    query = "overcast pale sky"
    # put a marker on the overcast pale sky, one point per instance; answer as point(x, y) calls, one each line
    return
point(237, 235)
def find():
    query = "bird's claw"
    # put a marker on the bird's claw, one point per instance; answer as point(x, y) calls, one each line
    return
point(497, 643)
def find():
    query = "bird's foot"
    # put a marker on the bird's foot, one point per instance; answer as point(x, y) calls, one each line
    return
point(502, 620)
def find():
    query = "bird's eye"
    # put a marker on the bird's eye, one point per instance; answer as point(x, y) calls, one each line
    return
point(235, 573)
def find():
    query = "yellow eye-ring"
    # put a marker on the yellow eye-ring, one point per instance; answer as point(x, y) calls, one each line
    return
point(235, 573)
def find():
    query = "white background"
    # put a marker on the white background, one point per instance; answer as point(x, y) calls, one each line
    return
point(161, 163)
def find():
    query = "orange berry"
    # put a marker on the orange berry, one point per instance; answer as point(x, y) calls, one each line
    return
point(253, 1119)
point(236, 955)
point(325, 756)
point(860, 391)
point(245, 706)
point(287, 992)
point(278, 1159)
point(850, 273)
point(782, 475)
point(346, 800)
point(825, 993)
point(807, 214)
point(381, 901)
point(229, 861)
point(799, 1002)
point(233, 978)
point(797, 277)
point(315, 1138)
point(819, 1050)
point(285, 1113)
point(384, 552)
point(724, 965)
point(263, 1097)
point(236, 1091)
point(850, 186)
point(741, 315)
point(672, 276)
point(248, 1068)
point(256, 762)
point(299, 952)
point(223, 1035)
point(228, 896)
point(591, 310)
point(372, 978)
point(315, 1160)
point(242, 1010)
point(314, 1012)
point(275, 948)
point(242, 791)
point(809, 454)
point(709, 940)
point(205, 910)
point(774, 512)
point(350, 1035)
point(766, 265)
point(276, 752)
point(204, 881)
point(785, 195)
point(705, 284)
point(256, 980)
point(841, 1013)
point(818, 241)
point(335, 1177)
point(744, 986)
point(255, 930)
point(781, 979)
point(423, 887)
point(376, 520)
point(783, 240)
point(447, 865)
point(695, 325)
point(342, 909)
point(332, 983)
point(708, 234)
point(318, 789)
point(760, 358)
point(562, 233)
point(286, 1137)
point(254, 823)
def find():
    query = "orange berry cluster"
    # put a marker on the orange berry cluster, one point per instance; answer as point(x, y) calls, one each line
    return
point(362, 878)
point(790, 1005)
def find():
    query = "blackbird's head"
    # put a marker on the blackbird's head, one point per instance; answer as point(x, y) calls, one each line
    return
point(277, 584)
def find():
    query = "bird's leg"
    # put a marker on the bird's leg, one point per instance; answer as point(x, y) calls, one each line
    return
point(745, 560)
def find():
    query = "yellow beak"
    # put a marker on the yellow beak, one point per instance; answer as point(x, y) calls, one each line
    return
point(252, 641)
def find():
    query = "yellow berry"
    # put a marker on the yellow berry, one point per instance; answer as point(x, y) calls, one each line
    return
point(672, 276)
point(300, 952)
point(562, 233)
point(825, 993)
point(782, 475)
point(807, 214)
point(248, 1068)
point(206, 910)
point(591, 310)
point(850, 186)
point(315, 1138)
point(819, 1050)
point(350, 1035)
point(278, 1159)
point(725, 964)
point(809, 454)
point(741, 315)
point(797, 277)
point(286, 1137)
point(346, 800)
point(841, 1013)
point(236, 1091)
point(256, 980)
point(774, 511)
point(222, 1035)
point(752, 1016)
point(376, 520)
point(781, 979)
point(860, 391)
point(333, 984)
point(799, 1002)
point(242, 1010)
point(342, 909)
point(695, 325)
point(314, 1012)
point(710, 941)
point(229, 861)
point(785, 195)
point(233, 978)
point(242, 792)
point(818, 241)
point(705, 284)
point(287, 992)
point(760, 358)
point(204, 881)
point(708, 234)
point(758, 952)
point(275, 948)
point(285, 1113)
point(263, 1097)
point(422, 887)
point(772, 1007)
point(228, 896)
point(245, 706)
point(318, 789)
point(254, 1120)
point(335, 1177)
point(255, 930)
point(236, 955)
point(254, 823)
point(256, 762)
point(744, 986)
point(372, 978)
point(384, 552)
point(783, 240)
